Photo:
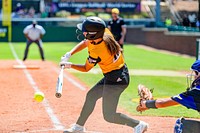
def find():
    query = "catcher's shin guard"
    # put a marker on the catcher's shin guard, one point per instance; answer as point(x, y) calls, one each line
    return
point(187, 126)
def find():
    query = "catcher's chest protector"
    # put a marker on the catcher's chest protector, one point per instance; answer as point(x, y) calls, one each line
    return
point(187, 126)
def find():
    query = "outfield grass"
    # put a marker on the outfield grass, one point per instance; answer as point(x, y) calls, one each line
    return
point(136, 58)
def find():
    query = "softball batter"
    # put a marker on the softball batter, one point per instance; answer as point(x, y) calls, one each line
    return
point(106, 52)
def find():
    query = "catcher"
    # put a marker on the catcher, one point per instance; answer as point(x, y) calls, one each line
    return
point(189, 99)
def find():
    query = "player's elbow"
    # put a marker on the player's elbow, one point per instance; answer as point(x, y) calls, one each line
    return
point(84, 69)
point(87, 69)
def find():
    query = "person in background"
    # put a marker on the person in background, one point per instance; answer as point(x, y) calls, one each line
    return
point(186, 21)
point(117, 26)
point(192, 19)
point(34, 33)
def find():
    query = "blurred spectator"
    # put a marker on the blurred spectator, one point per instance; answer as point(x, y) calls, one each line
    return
point(19, 7)
point(51, 9)
point(19, 11)
point(31, 12)
point(192, 19)
point(186, 21)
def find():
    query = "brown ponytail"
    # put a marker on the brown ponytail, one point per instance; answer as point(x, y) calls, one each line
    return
point(112, 45)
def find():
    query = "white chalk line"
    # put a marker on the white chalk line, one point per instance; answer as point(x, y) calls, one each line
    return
point(36, 131)
point(53, 130)
point(72, 81)
point(56, 122)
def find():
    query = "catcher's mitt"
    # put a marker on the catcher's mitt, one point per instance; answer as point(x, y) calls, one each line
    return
point(145, 94)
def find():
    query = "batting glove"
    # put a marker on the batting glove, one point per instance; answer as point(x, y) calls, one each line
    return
point(66, 64)
point(65, 58)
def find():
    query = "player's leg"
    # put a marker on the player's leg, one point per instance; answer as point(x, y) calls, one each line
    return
point(39, 43)
point(111, 94)
point(183, 125)
point(28, 43)
point(92, 96)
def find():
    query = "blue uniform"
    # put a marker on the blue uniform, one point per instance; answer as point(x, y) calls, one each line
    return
point(190, 98)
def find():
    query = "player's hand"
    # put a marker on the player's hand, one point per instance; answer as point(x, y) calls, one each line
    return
point(145, 94)
point(66, 64)
point(121, 41)
point(29, 39)
point(65, 58)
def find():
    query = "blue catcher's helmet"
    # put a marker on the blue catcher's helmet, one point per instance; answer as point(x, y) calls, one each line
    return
point(193, 79)
point(196, 66)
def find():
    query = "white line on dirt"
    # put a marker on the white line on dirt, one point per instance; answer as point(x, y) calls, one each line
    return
point(56, 122)
point(54, 131)
point(75, 83)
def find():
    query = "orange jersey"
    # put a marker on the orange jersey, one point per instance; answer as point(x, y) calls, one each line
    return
point(99, 54)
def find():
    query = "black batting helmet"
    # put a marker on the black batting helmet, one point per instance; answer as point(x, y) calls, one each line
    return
point(94, 26)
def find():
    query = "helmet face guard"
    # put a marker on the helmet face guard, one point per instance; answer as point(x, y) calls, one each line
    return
point(191, 78)
point(79, 35)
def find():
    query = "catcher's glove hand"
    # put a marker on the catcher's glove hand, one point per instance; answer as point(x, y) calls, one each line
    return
point(145, 94)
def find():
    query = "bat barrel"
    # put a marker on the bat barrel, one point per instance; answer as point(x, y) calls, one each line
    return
point(59, 84)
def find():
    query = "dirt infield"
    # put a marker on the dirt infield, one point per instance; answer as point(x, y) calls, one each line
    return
point(20, 113)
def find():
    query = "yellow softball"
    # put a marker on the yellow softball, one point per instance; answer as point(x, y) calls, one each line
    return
point(39, 96)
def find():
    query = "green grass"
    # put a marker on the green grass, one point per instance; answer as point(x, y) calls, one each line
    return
point(5, 52)
point(136, 58)
point(163, 87)
point(139, 58)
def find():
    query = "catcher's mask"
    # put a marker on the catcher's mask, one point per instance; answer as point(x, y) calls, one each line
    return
point(93, 26)
point(192, 79)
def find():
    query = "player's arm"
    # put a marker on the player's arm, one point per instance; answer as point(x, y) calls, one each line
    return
point(41, 35)
point(79, 47)
point(83, 68)
point(109, 25)
point(123, 33)
point(26, 35)
point(89, 64)
point(42, 32)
